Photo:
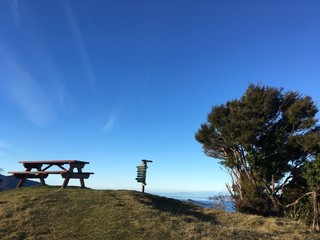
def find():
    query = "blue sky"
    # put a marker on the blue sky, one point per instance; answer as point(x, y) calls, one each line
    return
point(114, 82)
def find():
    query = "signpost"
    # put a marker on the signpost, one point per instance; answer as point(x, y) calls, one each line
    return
point(142, 173)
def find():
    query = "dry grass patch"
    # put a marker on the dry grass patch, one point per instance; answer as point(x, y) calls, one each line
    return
point(72, 213)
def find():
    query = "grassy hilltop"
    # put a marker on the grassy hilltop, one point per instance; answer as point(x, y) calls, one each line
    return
point(72, 213)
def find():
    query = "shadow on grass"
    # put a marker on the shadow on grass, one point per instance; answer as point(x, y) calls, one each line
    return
point(177, 208)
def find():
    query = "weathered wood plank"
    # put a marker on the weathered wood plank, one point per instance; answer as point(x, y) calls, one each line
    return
point(42, 172)
point(77, 165)
point(39, 172)
point(33, 165)
point(28, 175)
point(84, 175)
point(53, 162)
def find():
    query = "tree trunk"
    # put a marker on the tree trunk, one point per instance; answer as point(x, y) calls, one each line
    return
point(315, 223)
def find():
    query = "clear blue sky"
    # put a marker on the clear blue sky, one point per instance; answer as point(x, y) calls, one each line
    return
point(113, 82)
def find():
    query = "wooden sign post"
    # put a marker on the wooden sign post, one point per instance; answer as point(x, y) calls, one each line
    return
point(142, 173)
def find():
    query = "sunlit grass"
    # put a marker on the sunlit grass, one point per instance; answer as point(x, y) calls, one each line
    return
point(72, 213)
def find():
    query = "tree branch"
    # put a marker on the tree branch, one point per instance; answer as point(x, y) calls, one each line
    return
point(297, 201)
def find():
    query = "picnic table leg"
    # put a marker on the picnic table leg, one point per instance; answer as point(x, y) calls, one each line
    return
point(81, 179)
point(66, 180)
point(41, 177)
point(23, 180)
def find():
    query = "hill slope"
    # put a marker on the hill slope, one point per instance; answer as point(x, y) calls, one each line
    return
point(72, 213)
point(10, 182)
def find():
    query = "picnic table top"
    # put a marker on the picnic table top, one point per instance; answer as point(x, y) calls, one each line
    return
point(40, 172)
point(53, 162)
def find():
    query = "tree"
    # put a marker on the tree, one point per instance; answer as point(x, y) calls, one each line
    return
point(261, 141)
point(0, 179)
point(311, 173)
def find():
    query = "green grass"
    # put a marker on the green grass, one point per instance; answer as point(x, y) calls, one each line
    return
point(73, 213)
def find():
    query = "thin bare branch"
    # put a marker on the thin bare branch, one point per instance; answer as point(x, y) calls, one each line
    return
point(298, 200)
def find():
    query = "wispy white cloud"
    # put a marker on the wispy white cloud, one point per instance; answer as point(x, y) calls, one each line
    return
point(5, 156)
point(18, 85)
point(110, 124)
point(4, 144)
point(80, 43)
point(5, 152)
point(16, 11)
point(64, 101)
point(26, 94)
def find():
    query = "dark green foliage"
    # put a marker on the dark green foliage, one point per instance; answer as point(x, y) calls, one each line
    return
point(263, 139)
point(253, 200)
point(311, 173)
point(0, 180)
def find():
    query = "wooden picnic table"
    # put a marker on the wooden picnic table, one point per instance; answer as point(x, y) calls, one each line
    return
point(41, 171)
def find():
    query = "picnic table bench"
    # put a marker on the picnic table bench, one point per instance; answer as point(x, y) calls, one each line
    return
point(41, 171)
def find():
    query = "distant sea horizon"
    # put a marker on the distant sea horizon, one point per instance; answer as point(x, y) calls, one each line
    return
point(205, 199)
